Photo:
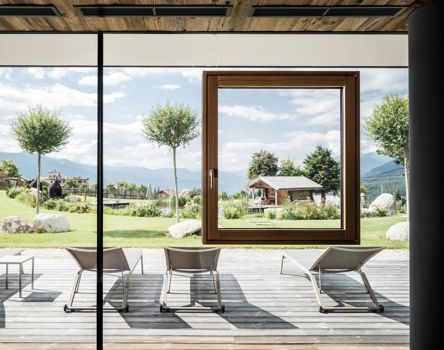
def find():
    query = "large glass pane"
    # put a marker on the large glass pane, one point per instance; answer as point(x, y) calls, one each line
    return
point(279, 158)
point(52, 112)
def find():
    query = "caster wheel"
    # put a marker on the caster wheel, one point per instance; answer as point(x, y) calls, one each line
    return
point(162, 309)
point(126, 308)
point(322, 310)
point(65, 308)
point(222, 309)
point(381, 309)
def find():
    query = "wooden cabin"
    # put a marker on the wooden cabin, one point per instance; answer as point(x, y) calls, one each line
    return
point(276, 190)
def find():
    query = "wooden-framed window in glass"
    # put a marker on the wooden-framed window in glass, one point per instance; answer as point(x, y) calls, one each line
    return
point(280, 157)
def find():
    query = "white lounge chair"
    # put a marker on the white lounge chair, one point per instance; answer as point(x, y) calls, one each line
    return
point(338, 260)
point(114, 260)
point(191, 260)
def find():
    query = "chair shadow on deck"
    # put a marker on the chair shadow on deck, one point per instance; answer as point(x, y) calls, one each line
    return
point(35, 296)
point(341, 288)
point(144, 302)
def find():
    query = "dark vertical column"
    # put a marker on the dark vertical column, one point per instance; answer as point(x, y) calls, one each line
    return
point(426, 84)
point(99, 296)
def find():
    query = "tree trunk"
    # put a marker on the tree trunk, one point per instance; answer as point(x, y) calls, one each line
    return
point(176, 187)
point(323, 197)
point(37, 201)
point(406, 179)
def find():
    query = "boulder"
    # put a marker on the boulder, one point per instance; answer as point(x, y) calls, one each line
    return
point(185, 228)
point(72, 199)
point(398, 232)
point(50, 223)
point(384, 201)
point(16, 224)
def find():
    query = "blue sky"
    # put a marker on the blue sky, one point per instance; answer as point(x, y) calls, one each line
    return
point(287, 122)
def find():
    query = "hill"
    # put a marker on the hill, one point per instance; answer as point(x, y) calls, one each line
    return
point(230, 182)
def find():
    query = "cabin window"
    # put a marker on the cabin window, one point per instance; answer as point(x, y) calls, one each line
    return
point(281, 157)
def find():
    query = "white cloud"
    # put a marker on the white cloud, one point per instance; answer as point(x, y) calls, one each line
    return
point(57, 73)
point(15, 99)
point(252, 113)
point(235, 156)
point(383, 80)
point(170, 87)
point(111, 79)
point(36, 72)
point(5, 73)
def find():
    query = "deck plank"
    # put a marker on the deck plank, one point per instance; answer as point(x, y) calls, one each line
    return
point(262, 305)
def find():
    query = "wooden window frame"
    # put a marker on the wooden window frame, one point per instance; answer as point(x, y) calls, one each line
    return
point(348, 83)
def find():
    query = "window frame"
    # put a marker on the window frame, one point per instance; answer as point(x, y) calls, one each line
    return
point(348, 83)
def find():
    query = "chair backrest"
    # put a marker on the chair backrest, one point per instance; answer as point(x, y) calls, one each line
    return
point(344, 258)
point(114, 259)
point(192, 259)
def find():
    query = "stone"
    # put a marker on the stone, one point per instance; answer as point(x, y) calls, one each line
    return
point(16, 224)
point(384, 201)
point(398, 232)
point(50, 223)
point(185, 228)
point(72, 199)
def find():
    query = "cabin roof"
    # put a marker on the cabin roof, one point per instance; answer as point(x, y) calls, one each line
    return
point(285, 183)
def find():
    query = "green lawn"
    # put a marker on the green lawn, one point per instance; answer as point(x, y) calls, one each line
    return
point(126, 231)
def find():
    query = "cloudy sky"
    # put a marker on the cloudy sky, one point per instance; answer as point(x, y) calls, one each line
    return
point(290, 123)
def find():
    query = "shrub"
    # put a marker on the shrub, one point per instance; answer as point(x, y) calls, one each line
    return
point(270, 214)
point(232, 212)
point(160, 203)
point(62, 205)
point(197, 200)
point(26, 198)
point(50, 204)
point(191, 211)
point(14, 191)
point(146, 210)
point(376, 213)
point(289, 212)
point(79, 208)
point(330, 212)
point(182, 201)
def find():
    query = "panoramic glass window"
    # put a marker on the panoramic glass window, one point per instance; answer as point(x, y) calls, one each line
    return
point(48, 167)
point(279, 158)
point(291, 141)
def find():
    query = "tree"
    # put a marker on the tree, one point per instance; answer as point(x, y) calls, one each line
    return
point(70, 184)
point(388, 126)
point(262, 163)
point(40, 131)
point(323, 169)
point(9, 168)
point(287, 168)
point(173, 126)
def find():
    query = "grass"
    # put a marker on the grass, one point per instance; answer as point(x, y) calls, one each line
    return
point(131, 231)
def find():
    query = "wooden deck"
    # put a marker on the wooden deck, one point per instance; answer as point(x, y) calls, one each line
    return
point(262, 306)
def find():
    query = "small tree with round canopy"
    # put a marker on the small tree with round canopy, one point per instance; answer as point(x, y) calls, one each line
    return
point(388, 126)
point(40, 131)
point(173, 126)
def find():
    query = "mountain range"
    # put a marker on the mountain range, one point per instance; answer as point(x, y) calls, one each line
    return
point(373, 165)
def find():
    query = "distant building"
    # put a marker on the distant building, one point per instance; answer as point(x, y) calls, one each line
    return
point(56, 175)
point(279, 189)
point(8, 181)
point(166, 193)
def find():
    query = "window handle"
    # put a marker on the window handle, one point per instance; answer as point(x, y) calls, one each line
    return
point(213, 174)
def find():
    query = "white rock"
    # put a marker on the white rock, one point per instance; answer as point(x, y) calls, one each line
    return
point(16, 224)
point(50, 223)
point(384, 201)
point(398, 232)
point(72, 199)
point(185, 228)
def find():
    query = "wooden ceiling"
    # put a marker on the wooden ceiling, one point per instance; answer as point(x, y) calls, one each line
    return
point(238, 21)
